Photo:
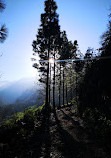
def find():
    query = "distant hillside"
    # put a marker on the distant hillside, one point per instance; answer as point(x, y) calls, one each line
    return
point(19, 90)
point(29, 98)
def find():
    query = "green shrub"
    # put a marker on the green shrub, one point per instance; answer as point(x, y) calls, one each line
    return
point(14, 119)
point(25, 119)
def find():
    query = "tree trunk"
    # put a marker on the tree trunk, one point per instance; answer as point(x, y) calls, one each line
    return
point(54, 84)
point(47, 82)
point(76, 90)
point(63, 86)
point(47, 87)
point(66, 95)
point(50, 85)
point(71, 83)
point(60, 88)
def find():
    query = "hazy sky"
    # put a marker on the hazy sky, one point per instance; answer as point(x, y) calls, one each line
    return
point(84, 21)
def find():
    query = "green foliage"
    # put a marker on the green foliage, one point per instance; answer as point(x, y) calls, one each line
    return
point(17, 129)
point(5, 112)
point(100, 125)
point(12, 122)
point(26, 119)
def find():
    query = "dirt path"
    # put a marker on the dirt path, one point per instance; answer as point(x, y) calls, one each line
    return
point(64, 136)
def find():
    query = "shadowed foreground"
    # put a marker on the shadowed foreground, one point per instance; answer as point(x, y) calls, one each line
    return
point(58, 134)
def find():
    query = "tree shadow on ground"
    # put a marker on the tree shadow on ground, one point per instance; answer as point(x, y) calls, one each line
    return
point(69, 118)
point(71, 148)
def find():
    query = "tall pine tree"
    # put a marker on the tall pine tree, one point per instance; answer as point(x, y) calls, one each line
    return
point(47, 42)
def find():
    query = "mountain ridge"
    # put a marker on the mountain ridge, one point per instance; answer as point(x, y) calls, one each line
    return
point(13, 91)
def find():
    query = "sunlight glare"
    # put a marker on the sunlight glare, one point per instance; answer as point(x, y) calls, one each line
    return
point(51, 61)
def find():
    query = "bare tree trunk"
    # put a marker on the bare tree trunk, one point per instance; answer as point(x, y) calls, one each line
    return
point(66, 95)
point(60, 88)
point(63, 86)
point(71, 83)
point(47, 87)
point(47, 82)
point(54, 84)
point(50, 85)
point(76, 89)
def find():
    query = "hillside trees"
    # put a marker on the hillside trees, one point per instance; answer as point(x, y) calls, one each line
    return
point(95, 88)
point(105, 69)
point(68, 51)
